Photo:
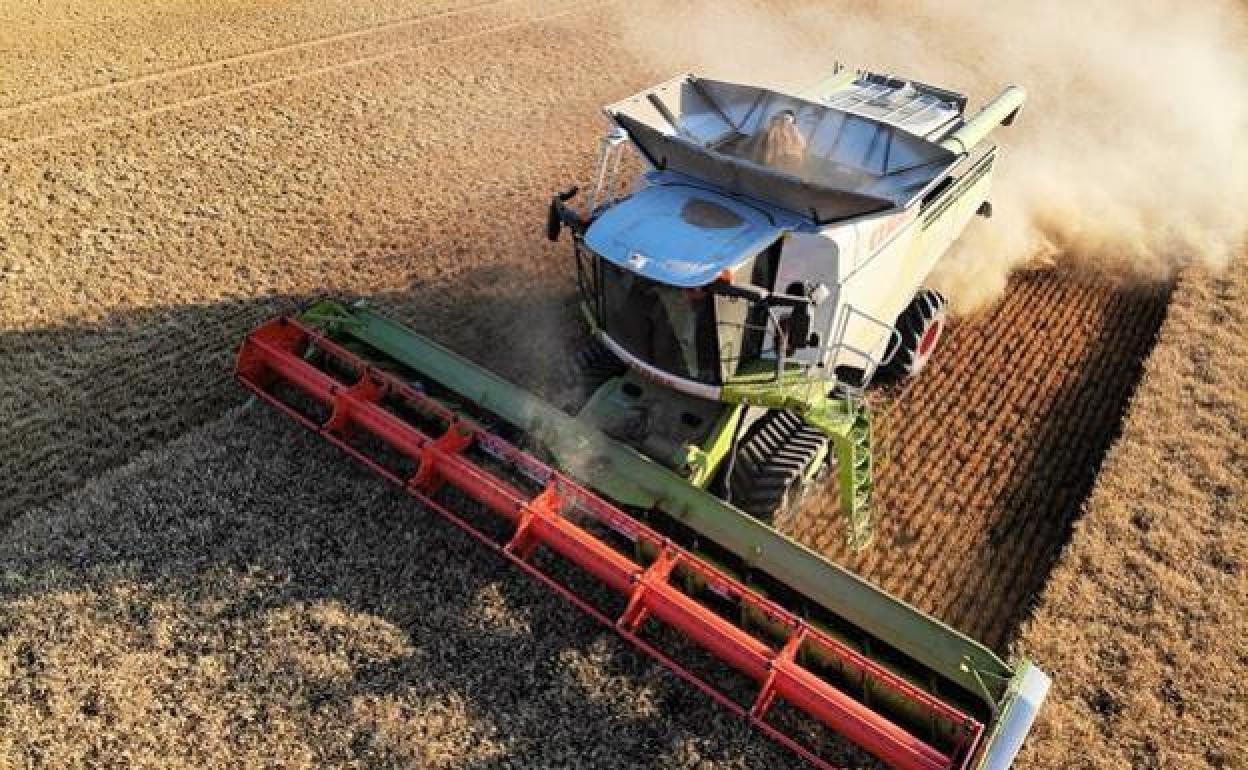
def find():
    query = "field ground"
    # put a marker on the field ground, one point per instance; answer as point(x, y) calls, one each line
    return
point(244, 596)
point(138, 248)
point(1145, 618)
point(985, 460)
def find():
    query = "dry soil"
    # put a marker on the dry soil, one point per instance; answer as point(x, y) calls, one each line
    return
point(1144, 620)
point(174, 172)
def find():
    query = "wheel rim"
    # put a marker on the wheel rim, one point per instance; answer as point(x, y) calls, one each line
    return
point(931, 336)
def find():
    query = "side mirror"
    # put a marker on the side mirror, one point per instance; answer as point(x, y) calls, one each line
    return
point(554, 223)
point(559, 215)
point(804, 292)
point(749, 293)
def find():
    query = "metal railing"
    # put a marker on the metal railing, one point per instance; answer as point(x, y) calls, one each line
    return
point(606, 179)
point(817, 365)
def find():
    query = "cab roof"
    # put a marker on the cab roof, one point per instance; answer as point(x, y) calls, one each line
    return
point(681, 235)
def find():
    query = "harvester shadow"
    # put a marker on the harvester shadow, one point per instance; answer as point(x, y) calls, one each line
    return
point(80, 399)
point(1045, 497)
point(342, 604)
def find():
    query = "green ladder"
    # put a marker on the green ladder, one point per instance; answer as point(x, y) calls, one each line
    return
point(846, 420)
point(857, 485)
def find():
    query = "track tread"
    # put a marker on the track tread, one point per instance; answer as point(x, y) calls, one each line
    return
point(594, 364)
point(775, 453)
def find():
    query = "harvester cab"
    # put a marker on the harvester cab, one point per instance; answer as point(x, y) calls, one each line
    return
point(769, 262)
point(765, 268)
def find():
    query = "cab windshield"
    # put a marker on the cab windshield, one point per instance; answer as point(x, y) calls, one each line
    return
point(688, 332)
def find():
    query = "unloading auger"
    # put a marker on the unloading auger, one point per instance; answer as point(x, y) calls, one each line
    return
point(765, 269)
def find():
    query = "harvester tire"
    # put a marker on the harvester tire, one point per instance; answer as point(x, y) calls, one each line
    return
point(920, 327)
point(770, 472)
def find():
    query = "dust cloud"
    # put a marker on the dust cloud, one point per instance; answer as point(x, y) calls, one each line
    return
point(1129, 158)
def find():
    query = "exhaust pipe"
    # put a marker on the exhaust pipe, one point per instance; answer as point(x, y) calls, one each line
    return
point(1000, 111)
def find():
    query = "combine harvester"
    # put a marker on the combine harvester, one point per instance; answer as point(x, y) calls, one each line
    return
point(764, 269)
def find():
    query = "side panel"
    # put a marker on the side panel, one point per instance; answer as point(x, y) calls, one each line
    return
point(888, 271)
point(897, 256)
point(813, 258)
point(944, 218)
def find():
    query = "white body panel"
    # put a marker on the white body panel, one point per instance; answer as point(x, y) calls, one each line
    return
point(812, 258)
point(873, 267)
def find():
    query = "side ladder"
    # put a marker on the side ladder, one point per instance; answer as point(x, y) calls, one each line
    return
point(847, 423)
point(857, 481)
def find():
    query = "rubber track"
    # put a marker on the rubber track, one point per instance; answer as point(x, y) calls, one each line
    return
point(775, 451)
point(594, 364)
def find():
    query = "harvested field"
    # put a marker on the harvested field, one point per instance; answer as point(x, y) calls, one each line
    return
point(245, 597)
point(986, 459)
point(1145, 619)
